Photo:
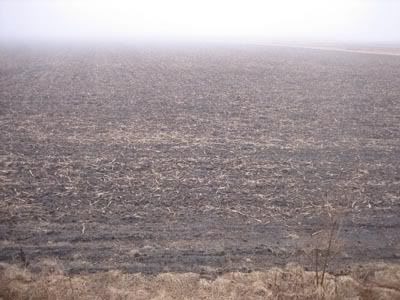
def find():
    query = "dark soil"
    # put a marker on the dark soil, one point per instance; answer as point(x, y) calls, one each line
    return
point(204, 160)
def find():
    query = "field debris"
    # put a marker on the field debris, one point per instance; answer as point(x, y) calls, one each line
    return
point(199, 158)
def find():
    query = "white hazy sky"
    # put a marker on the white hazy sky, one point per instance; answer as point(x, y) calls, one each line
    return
point(241, 20)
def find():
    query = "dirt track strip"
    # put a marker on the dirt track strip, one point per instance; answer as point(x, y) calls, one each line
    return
point(337, 49)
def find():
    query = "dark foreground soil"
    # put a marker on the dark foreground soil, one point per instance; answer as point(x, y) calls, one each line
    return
point(206, 160)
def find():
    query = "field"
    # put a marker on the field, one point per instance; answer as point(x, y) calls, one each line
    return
point(205, 160)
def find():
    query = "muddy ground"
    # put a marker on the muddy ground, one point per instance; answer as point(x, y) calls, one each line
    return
point(205, 159)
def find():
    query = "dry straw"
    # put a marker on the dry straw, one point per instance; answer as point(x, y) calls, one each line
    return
point(291, 282)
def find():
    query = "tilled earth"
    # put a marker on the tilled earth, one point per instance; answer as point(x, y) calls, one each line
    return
point(200, 159)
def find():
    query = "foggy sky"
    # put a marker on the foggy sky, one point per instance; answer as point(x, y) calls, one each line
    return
point(225, 20)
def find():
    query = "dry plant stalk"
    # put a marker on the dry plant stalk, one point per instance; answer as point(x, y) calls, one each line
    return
point(325, 244)
point(331, 239)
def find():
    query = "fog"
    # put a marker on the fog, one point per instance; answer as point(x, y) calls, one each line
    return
point(207, 20)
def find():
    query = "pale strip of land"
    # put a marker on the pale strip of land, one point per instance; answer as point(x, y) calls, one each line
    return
point(391, 51)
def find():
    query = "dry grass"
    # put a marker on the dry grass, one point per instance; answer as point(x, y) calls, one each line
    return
point(292, 282)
